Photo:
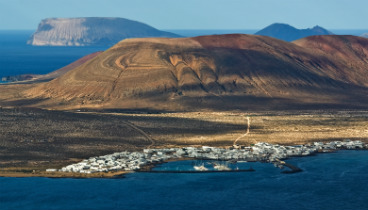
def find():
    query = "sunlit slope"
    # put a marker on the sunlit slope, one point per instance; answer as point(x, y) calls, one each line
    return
point(216, 72)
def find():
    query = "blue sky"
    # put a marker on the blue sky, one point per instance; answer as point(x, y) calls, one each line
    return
point(193, 14)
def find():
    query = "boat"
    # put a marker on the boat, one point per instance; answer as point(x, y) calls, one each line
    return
point(200, 168)
point(221, 167)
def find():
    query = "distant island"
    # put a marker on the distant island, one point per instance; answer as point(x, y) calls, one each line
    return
point(289, 33)
point(89, 31)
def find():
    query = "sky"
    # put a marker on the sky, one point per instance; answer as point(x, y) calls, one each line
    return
point(193, 14)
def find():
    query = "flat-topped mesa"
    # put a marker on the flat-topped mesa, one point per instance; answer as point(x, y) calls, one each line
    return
point(91, 31)
point(216, 72)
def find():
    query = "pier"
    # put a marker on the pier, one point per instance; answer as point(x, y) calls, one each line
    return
point(196, 172)
point(293, 169)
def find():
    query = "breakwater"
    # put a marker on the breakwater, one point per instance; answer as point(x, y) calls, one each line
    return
point(195, 172)
point(265, 152)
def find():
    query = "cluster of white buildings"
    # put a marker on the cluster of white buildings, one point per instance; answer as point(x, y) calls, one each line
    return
point(131, 161)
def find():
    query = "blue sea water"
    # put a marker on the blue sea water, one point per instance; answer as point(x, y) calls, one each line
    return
point(199, 32)
point(16, 57)
point(333, 181)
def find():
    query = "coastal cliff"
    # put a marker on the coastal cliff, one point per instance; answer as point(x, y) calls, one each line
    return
point(90, 31)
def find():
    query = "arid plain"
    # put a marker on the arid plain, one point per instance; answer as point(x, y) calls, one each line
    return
point(33, 140)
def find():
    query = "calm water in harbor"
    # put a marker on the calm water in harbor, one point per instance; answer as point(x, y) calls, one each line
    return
point(329, 181)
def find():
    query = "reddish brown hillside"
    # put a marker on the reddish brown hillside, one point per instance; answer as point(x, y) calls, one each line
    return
point(348, 54)
point(215, 72)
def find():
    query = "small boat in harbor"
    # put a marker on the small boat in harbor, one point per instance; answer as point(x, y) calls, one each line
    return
point(200, 168)
point(221, 167)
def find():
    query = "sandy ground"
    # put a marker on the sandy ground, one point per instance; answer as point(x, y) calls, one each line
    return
point(32, 140)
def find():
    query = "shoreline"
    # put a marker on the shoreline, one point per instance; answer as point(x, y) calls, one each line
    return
point(54, 139)
point(43, 174)
point(262, 151)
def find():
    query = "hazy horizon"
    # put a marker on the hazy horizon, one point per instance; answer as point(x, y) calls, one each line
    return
point(201, 32)
point(193, 14)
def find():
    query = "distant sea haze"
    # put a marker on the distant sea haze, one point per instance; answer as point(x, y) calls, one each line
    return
point(16, 57)
point(201, 32)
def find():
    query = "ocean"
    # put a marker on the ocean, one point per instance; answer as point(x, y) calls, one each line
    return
point(329, 181)
point(336, 181)
point(16, 57)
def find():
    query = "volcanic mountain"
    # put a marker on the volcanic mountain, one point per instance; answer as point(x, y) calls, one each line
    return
point(91, 31)
point(288, 33)
point(219, 72)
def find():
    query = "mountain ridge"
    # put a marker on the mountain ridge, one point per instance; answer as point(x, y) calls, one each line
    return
point(289, 33)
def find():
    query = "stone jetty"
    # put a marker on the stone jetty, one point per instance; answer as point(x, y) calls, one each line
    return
point(265, 152)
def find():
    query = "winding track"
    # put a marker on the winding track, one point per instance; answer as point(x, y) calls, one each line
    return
point(127, 123)
point(246, 133)
point(141, 132)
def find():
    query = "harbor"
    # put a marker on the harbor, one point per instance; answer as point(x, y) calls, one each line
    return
point(343, 173)
point(259, 152)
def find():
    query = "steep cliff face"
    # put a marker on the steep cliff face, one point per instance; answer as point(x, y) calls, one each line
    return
point(288, 33)
point(91, 31)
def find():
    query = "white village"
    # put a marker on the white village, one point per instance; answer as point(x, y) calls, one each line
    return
point(263, 152)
